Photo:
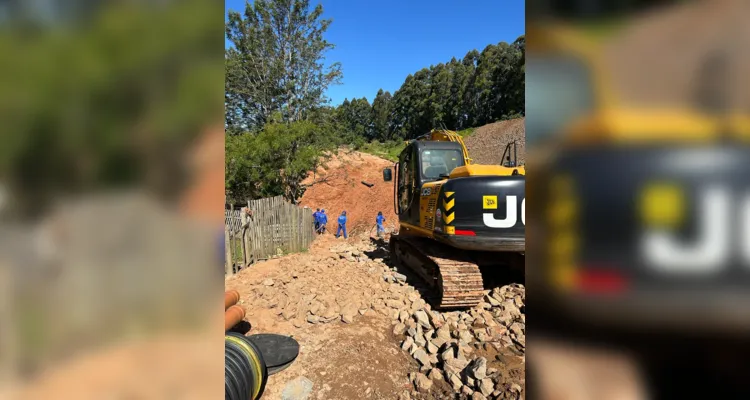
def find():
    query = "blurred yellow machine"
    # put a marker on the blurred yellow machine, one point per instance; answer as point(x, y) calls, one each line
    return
point(640, 223)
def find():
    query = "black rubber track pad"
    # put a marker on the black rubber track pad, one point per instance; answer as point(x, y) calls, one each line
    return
point(279, 351)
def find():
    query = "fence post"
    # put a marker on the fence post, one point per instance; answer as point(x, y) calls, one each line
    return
point(293, 227)
point(249, 238)
point(229, 270)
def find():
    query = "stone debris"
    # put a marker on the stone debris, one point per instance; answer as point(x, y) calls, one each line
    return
point(422, 382)
point(446, 345)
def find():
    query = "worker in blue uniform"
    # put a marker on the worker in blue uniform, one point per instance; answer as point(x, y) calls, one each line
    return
point(323, 218)
point(316, 219)
point(379, 222)
point(342, 225)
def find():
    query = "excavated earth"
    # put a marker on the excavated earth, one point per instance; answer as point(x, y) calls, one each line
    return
point(337, 186)
point(487, 143)
point(365, 330)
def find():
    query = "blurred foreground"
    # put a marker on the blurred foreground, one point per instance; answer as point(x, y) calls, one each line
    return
point(636, 140)
point(111, 170)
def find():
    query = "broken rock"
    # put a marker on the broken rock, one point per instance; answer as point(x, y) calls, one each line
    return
point(422, 382)
point(421, 317)
point(421, 356)
point(431, 348)
point(478, 396)
point(455, 381)
point(478, 369)
point(486, 386)
point(435, 375)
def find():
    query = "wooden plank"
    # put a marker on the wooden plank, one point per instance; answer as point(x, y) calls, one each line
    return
point(228, 270)
point(249, 239)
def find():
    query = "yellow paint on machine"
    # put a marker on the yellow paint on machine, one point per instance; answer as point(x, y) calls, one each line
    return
point(418, 229)
point(448, 218)
point(489, 202)
point(428, 200)
point(449, 205)
point(485, 170)
point(662, 205)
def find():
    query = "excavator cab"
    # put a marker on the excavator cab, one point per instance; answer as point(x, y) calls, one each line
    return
point(422, 162)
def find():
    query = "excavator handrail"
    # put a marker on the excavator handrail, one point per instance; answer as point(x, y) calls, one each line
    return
point(443, 135)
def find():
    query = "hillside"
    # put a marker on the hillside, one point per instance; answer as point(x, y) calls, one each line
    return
point(337, 186)
point(487, 143)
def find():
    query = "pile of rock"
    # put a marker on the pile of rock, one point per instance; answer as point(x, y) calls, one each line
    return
point(445, 344)
point(451, 349)
point(330, 286)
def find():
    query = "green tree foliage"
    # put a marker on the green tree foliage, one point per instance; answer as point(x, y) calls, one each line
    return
point(381, 116)
point(276, 63)
point(277, 121)
point(275, 160)
point(356, 119)
point(482, 88)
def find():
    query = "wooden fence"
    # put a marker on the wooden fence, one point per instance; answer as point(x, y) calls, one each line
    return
point(276, 227)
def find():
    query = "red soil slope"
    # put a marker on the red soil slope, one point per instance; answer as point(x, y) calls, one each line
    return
point(337, 186)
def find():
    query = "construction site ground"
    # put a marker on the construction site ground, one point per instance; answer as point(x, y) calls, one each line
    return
point(365, 330)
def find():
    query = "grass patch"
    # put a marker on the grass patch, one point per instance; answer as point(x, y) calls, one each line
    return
point(466, 132)
point(388, 150)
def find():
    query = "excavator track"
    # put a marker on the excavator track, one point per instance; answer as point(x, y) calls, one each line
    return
point(454, 277)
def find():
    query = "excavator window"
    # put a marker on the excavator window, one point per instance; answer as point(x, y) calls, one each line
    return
point(439, 163)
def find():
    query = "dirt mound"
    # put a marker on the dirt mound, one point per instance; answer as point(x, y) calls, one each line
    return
point(337, 186)
point(487, 143)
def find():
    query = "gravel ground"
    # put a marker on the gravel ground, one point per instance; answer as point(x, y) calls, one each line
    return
point(487, 143)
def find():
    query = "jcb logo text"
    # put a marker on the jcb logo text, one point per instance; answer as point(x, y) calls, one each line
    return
point(511, 212)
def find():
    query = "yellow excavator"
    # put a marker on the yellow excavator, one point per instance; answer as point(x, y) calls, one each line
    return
point(456, 216)
point(620, 236)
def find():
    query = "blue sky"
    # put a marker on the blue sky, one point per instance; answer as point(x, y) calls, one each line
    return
point(380, 42)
